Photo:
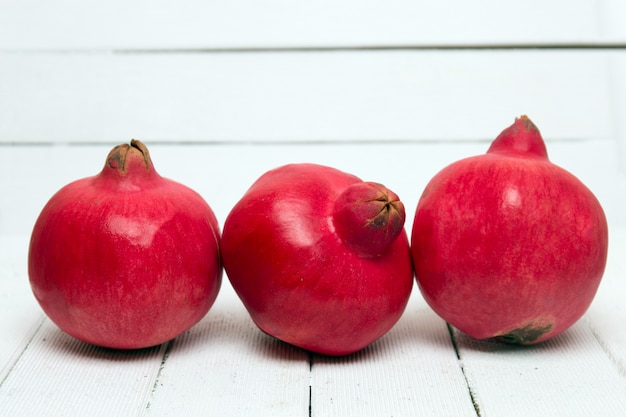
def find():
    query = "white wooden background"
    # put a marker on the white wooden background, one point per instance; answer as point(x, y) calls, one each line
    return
point(222, 91)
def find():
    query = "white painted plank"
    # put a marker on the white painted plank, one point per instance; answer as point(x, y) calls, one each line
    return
point(607, 315)
point(21, 316)
point(617, 79)
point(569, 375)
point(226, 366)
point(60, 376)
point(611, 23)
point(74, 24)
point(312, 96)
point(411, 371)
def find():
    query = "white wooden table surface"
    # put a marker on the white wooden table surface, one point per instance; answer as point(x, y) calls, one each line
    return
point(391, 91)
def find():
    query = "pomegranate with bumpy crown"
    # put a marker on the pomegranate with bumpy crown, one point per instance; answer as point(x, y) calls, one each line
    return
point(508, 245)
point(125, 259)
point(319, 258)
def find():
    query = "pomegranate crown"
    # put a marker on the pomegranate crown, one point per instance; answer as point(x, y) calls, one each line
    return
point(123, 156)
point(522, 138)
point(368, 217)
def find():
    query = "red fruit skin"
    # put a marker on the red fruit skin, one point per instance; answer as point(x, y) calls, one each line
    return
point(297, 278)
point(125, 259)
point(507, 245)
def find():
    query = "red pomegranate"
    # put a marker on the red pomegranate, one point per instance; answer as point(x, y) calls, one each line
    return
point(125, 259)
point(508, 245)
point(319, 258)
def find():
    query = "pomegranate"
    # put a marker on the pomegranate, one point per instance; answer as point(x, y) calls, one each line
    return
point(319, 258)
point(125, 259)
point(508, 245)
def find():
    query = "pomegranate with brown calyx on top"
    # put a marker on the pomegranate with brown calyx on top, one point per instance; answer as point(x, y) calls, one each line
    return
point(125, 259)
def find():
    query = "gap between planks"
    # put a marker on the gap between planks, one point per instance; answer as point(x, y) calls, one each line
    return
point(30, 335)
point(582, 46)
point(460, 363)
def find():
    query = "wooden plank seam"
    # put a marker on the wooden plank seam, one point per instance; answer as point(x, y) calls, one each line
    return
point(470, 390)
point(23, 347)
point(606, 347)
point(166, 348)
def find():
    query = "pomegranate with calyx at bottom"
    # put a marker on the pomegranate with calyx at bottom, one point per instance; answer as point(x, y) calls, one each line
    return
point(508, 245)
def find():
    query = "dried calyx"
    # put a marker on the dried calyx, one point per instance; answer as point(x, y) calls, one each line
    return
point(368, 218)
point(124, 156)
point(388, 208)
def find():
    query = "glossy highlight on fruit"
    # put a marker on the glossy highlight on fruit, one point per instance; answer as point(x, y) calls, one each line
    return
point(319, 258)
point(508, 245)
point(125, 259)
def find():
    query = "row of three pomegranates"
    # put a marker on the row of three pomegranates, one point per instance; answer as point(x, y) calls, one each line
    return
point(504, 245)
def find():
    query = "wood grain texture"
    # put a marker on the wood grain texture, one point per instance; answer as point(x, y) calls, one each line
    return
point(225, 364)
point(606, 317)
point(22, 318)
point(59, 376)
point(412, 370)
point(569, 375)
